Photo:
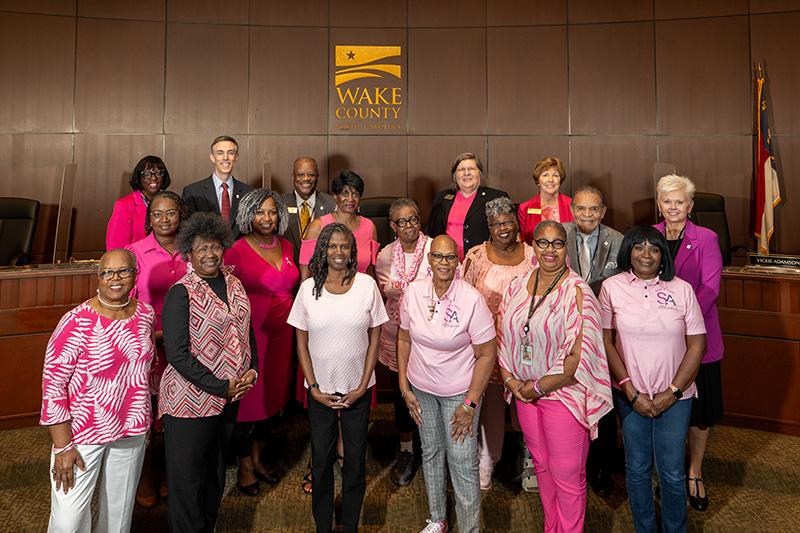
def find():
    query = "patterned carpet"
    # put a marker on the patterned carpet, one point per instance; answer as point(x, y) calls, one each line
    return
point(753, 481)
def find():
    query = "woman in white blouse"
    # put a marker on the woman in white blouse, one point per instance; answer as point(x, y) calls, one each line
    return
point(338, 313)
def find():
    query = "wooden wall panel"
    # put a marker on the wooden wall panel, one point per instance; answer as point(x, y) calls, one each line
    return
point(37, 73)
point(123, 9)
point(210, 11)
point(525, 12)
point(366, 14)
point(527, 80)
point(379, 160)
point(44, 7)
point(444, 13)
point(787, 236)
point(21, 363)
point(672, 9)
point(709, 92)
point(773, 6)
point(611, 79)
point(282, 150)
point(119, 83)
point(289, 12)
point(583, 11)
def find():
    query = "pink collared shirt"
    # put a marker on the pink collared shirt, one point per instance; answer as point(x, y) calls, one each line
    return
point(126, 225)
point(442, 355)
point(652, 319)
point(158, 271)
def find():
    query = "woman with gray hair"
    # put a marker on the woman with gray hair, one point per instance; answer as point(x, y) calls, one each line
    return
point(264, 262)
point(490, 267)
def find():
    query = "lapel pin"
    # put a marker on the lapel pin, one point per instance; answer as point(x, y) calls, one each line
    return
point(688, 246)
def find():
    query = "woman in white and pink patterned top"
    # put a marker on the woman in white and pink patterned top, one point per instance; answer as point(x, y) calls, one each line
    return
point(96, 400)
point(552, 358)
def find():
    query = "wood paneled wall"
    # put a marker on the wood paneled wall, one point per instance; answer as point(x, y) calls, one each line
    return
point(611, 87)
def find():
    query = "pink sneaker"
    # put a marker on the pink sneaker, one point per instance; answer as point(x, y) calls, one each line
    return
point(436, 527)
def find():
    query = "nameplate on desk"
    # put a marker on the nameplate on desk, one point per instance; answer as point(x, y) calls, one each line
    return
point(775, 261)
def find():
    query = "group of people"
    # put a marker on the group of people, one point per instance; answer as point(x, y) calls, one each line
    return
point(211, 306)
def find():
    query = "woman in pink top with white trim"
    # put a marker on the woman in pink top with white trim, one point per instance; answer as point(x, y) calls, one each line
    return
point(550, 348)
point(660, 340)
point(96, 401)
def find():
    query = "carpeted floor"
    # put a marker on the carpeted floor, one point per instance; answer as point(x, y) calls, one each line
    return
point(753, 481)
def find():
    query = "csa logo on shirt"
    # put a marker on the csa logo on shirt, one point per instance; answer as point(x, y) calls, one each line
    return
point(451, 318)
point(666, 301)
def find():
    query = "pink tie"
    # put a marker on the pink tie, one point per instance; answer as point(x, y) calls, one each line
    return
point(225, 211)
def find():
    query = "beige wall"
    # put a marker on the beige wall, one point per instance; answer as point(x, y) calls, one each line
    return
point(611, 87)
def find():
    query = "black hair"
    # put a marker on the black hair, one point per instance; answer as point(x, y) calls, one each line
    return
point(646, 233)
point(148, 161)
point(208, 226)
point(178, 202)
point(319, 261)
point(347, 178)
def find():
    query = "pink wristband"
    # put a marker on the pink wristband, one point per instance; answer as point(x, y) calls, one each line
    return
point(624, 381)
point(66, 448)
point(538, 389)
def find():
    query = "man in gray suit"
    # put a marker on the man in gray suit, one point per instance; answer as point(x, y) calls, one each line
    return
point(305, 202)
point(593, 249)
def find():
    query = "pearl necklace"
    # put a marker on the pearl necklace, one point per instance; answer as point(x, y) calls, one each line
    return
point(110, 305)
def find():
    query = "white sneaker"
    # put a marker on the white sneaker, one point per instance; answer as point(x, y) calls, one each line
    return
point(529, 481)
point(485, 472)
point(435, 527)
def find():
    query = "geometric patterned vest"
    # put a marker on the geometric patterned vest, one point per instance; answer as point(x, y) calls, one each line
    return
point(219, 338)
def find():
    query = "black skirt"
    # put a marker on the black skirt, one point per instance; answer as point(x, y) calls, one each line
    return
point(707, 408)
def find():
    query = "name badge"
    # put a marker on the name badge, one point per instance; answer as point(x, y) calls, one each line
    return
point(292, 210)
point(449, 196)
point(525, 352)
point(534, 211)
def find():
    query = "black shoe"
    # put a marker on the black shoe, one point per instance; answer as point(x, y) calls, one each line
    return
point(269, 477)
point(601, 482)
point(697, 503)
point(249, 490)
point(404, 469)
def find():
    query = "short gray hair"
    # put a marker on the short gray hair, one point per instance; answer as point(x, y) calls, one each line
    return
point(252, 202)
point(673, 182)
point(500, 206)
point(590, 189)
point(400, 203)
point(544, 224)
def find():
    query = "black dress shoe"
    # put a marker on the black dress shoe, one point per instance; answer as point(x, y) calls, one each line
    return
point(601, 482)
point(269, 477)
point(404, 469)
point(697, 503)
point(249, 490)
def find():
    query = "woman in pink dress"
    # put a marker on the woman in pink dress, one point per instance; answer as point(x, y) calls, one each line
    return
point(264, 263)
point(127, 222)
point(347, 189)
point(490, 267)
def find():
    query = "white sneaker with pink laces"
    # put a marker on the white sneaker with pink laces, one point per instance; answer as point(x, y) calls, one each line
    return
point(436, 527)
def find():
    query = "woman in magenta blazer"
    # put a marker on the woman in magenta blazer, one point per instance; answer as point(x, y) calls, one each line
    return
point(549, 204)
point(698, 261)
point(127, 222)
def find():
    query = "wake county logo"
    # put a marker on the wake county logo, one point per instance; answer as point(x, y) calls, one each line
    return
point(368, 91)
point(666, 301)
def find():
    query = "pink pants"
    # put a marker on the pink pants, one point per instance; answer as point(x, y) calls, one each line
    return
point(559, 445)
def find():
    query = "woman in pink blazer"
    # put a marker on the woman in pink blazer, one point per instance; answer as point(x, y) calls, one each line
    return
point(698, 261)
point(549, 204)
point(127, 222)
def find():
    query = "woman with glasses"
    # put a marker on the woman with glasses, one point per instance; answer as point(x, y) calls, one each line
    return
point(128, 220)
point(96, 403)
point(459, 210)
point(337, 314)
point(398, 264)
point(550, 348)
point(490, 267)
point(548, 174)
point(445, 354)
point(160, 266)
point(212, 362)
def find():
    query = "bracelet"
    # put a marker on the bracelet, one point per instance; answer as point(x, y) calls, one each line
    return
point(66, 448)
point(635, 397)
point(538, 389)
point(468, 409)
point(505, 382)
point(313, 386)
point(623, 381)
point(403, 393)
point(469, 403)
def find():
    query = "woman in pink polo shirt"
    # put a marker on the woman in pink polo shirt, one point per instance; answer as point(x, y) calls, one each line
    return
point(550, 348)
point(445, 355)
point(660, 339)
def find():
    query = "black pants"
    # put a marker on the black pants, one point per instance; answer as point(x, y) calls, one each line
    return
point(402, 418)
point(603, 449)
point(324, 426)
point(196, 449)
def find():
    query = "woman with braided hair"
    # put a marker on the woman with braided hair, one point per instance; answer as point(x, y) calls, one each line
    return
point(338, 312)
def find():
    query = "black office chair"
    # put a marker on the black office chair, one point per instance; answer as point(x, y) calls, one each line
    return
point(709, 212)
point(377, 210)
point(18, 218)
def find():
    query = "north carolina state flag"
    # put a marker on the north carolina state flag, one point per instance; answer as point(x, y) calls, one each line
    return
point(768, 194)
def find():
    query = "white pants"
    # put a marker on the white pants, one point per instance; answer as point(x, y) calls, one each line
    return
point(120, 463)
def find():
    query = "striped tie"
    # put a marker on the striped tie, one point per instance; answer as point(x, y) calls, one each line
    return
point(305, 218)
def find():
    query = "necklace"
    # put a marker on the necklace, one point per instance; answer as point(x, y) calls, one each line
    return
point(265, 246)
point(399, 257)
point(532, 308)
point(110, 305)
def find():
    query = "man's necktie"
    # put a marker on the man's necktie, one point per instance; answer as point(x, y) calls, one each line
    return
point(305, 218)
point(586, 259)
point(225, 210)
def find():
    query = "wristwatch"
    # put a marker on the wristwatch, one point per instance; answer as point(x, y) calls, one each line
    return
point(678, 393)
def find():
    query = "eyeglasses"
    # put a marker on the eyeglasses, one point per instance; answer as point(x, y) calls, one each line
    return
point(150, 174)
point(544, 243)
point(215, 249)
point(504, 223)
point(438, 258)
point(403, 222)
point(466, 170)
point(170, 213)
point(306, 174)
point(123, 273)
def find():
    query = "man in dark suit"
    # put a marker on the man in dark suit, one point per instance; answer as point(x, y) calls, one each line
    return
point(305, 202)
point(592, 249)
point(220, 192)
